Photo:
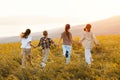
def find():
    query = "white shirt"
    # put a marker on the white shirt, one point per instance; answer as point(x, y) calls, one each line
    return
point(25, 42)
point(88, 40)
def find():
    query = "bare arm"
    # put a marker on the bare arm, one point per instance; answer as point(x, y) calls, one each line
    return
point(95, 39)
point(82, 38)
point(72, 39)
point(59, 41)
point(31, 44)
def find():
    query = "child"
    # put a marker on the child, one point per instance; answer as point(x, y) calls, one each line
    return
point(67, 43)
point(88, 40)
point(26, 46)
point(45, 43)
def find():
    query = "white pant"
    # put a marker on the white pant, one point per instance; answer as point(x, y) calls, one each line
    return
point(67, 48)
point(88, 56)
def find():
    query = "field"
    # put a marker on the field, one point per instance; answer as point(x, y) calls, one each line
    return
point(106, 65)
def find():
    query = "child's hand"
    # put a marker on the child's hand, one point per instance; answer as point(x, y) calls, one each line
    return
point(34, 46)
point(97, 44)
point(79, 42)
point(58, 45)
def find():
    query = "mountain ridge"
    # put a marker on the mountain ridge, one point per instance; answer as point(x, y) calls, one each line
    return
point(110, 26)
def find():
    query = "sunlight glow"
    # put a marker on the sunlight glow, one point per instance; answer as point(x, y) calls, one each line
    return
point(81, 11)
point(84, 9)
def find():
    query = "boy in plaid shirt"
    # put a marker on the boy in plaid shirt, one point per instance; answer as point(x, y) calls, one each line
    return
point(45, 43)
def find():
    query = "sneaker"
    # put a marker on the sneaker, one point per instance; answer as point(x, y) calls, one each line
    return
point(31, 63)
point(43, 65)
point(89, 65)
point(66, 55)
point(92, 60)
point(23, 67)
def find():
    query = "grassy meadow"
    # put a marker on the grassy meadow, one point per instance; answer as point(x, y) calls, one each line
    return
point(106, 65)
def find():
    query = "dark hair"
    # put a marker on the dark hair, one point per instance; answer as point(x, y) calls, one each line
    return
point(88, 27)
point(26, 33)
point(67, 27)
point(45, 33)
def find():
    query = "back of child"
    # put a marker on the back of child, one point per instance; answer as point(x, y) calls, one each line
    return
point(45, 43)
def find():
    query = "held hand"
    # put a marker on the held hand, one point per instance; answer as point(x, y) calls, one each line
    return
point(58, 45)
point(73, 41)
point(97, 44)
point(55, 45)
point(34, 46)
point(79, 42)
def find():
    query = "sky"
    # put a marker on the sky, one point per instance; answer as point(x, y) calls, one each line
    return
point(82, 10)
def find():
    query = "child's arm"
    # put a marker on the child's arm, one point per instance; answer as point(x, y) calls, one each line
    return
point(53, 43)
point(82, 38)
point(59, 41)
point(95, 40)
point(39, 44)
point(31, 44)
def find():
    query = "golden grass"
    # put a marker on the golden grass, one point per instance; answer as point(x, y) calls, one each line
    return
point(106, 65)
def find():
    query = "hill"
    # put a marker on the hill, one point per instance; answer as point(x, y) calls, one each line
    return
point(110, 26)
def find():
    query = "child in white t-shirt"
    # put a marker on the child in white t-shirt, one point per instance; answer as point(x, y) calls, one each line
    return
point(26, 46)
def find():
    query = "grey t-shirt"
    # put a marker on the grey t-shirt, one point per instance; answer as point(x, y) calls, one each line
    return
point(66, 40)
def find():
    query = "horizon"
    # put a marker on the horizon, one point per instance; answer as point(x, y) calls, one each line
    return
point(12, 29)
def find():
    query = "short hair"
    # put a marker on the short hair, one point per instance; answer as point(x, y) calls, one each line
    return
point(45, 33)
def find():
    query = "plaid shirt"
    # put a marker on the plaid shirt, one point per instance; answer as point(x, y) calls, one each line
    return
point(45, 42)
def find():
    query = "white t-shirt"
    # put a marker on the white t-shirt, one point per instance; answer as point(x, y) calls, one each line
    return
point(25, 42)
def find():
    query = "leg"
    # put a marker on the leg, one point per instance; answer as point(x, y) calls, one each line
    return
point(28, 52)
point(88, 56)
point(64, 50)
point(69, 54)
point(30, 59)
point(23, 61)
point(46, 53)
point(23, 58)
point(91, 57)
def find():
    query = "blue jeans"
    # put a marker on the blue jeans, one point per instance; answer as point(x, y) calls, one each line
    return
point(67, 50)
